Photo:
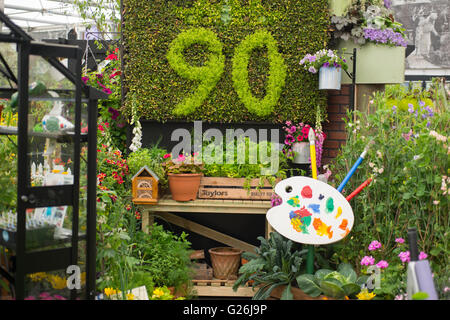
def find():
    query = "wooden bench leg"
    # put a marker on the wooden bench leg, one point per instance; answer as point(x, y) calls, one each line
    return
point(147, 220)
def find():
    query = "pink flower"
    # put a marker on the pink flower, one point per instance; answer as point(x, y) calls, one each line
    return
point(181, 158)
point(367, 261)
point(422, 255)
point(374, 245)
point(382, 264)
point(404, 256)
point(400, 240)
point(167, 155)
point(288, 123)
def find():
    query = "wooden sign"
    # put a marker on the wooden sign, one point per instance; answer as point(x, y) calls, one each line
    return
point(233, 188)
point(144, 186)
point(312, 212)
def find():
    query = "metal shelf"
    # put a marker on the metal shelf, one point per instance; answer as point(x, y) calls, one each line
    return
point(60, 137)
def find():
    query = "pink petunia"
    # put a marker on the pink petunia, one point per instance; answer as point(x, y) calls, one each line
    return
point(400, 240)
point(367, 261)
point(374, 245)
point(422, 255)
point(382, 264)
point(404, 256)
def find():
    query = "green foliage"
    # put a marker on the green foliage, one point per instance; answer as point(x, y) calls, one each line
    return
point(275, 81)
point(208, 75)
point(276, 262)
point(410, 164)
point(217, 165)
point(336, 284)
point(165, 256)
point(152, 158)
point(8, 165)
point(150, 27)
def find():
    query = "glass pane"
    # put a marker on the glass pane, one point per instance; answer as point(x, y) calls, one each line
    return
point(48, 227)
point(54, 285)
point(51, 122)
point(9, 53)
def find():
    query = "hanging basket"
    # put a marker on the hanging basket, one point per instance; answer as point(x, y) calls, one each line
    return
point(225, 262)
point(330, 78)
point(302, 152)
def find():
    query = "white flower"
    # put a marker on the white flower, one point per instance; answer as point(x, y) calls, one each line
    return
point(416, 157)
point(436, 202)
point(379, 154)
point(380, 171)
point(371, 164)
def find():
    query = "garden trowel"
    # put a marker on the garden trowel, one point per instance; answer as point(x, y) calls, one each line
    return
point(420, 278)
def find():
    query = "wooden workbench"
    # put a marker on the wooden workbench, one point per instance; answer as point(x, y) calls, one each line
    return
point(166, 206)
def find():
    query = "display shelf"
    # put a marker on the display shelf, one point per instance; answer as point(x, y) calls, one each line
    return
point(60, 137)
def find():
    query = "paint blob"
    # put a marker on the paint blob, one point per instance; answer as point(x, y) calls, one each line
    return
point(329, 206)
point(307, 192)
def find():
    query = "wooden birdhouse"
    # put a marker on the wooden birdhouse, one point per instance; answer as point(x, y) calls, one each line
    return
point(145, 186)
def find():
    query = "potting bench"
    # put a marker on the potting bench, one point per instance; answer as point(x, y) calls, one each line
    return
point(166, 206)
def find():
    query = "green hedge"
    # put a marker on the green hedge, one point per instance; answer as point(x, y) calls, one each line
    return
point(224, 61)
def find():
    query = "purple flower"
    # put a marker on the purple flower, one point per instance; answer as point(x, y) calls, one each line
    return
point(374, 245)
point(114, 113)
point(428, 124)
point(107, 90)
point(421, 103)
point(387, 4)
point(84, 79)
point(387, 36)
point(394, 109)
point(367, 261)
point(382, 264)
point(312, 70)
point(312, 58)
point(326, 64)
point(410, 108)
point(99, 75)
point(404, 256)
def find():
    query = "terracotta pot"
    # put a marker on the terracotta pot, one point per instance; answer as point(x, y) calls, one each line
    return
point(225, 262)
point(184, 186)
point(296, 292)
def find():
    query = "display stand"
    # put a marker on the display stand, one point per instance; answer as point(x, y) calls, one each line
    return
point(52, 107)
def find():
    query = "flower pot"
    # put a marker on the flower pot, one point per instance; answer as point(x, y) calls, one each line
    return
point(339, 7)
point(184, 186)
point(375, 63)
point(225, 262)
point(302, 152)
point(330, 78)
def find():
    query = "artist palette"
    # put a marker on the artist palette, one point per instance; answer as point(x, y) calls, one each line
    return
point(311, 212)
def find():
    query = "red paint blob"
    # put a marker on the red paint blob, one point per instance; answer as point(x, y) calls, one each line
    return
point(307, 192)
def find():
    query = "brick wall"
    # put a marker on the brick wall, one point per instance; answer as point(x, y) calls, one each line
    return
point(338, 103)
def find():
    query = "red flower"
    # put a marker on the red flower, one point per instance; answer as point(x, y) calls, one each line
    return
point(100, 127)
point(300, 138)
point(112, 56)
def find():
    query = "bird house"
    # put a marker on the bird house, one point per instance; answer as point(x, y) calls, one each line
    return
point(145, 186)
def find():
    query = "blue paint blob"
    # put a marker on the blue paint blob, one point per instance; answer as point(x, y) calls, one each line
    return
point(314, 207)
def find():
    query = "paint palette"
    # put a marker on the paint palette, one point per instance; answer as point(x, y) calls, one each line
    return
point(312, 212)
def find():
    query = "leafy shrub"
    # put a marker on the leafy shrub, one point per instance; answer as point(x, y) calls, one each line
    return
point(276, 262)
point(336, 284)
point(152, 158)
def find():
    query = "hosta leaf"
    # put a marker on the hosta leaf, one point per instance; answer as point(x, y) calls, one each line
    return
point(306, 283)
point(331, 289)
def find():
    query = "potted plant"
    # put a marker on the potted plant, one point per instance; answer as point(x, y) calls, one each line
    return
point(297, 143)
point(370, 27)
point(276, 264)
point(329, 65)
point(184, 173)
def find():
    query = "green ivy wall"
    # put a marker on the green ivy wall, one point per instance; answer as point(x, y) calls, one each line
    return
point(245, 68)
